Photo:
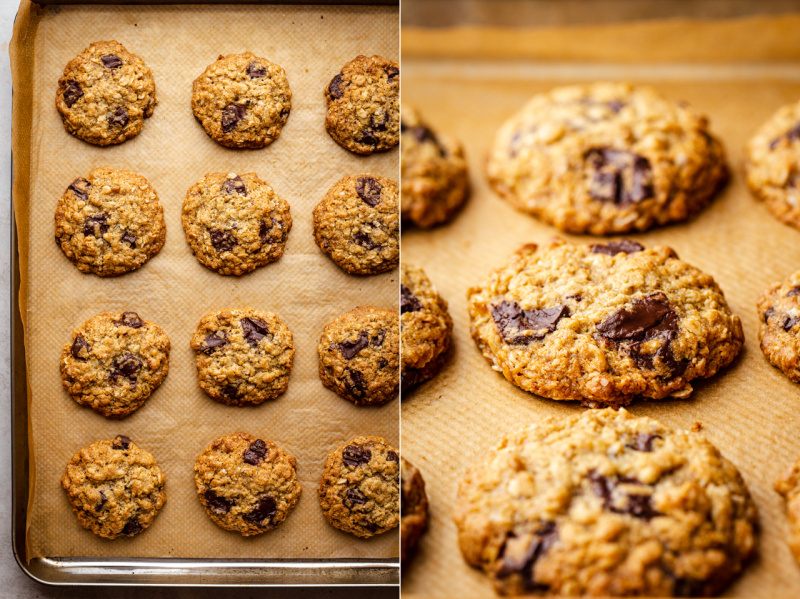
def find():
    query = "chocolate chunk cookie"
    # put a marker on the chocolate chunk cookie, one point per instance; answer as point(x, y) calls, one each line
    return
point(606, 504)
point(603, 323)
point(110, 223)
point(247, 485)
point(115, 488)
point(433, 171)
point(606, 158)
point(359, 356)
point(244, 357)
point(413, 508)
point(779, 333)
point(114, 362)
point(235, 223)
point(105, 95)
point(359, 492)
point(358, 226)
point(242, 100)
point(425, 325)
point(788, 485)
point(364, 105)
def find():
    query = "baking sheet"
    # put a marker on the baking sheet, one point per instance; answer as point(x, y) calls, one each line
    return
point(304, 287)
point(750, 410)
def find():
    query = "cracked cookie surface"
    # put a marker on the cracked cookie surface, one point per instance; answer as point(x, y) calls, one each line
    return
point(779, 332)
point(413, 508)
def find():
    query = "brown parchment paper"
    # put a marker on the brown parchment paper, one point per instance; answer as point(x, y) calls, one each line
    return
point(304, 287)
point(749, 410)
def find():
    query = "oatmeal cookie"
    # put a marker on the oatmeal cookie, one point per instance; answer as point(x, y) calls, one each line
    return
point(779, 333)
point(413, 508)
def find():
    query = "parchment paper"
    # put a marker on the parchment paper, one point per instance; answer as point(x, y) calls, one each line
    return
point(750, 410)
point(304, 287)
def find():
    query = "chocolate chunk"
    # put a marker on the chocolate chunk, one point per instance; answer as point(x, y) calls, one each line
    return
point(615, 105)
point(408, 301)
point(612, 248)
point(369, 190)
point(336, 86)
point(256, 453)
point(514, 323)
point(222, 240)
point(132, 527)
point(793, 291)
point(368, 138)
point(619, 176)
point(230, 391)
point(369, 525)
point(80, 346)
point(354, 382)
point(378, 122)
point(365, 241)
point(128, 238)
point(131, 319)
point(231, 115)
point(72, 92)
point(118, 117)
point(520, 553)
point(769, 313)
point(631, 323)
point(349, 349)
point(263, 230)
point(256, 71)
point(392, 73)
point(792, 135)
point(94, 222)
point(265, 508)
point(644, 442)
point(82, 194)
point(637, 505)
point(377, 341)
point(355, 496)
point(392, 456)
point(128, 366)
point(111, 61)
point(254, 330)
point(121, 442)
point(236, 184)
point(216, 503)
point(211, 342)
point(422, 134)
point(788, 323)
point(103, 500)
point(353, 456)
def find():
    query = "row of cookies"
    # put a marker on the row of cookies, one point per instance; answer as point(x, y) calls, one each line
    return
point(241, 100)
point(112, 222)
point(246, 485)
point(115, 361)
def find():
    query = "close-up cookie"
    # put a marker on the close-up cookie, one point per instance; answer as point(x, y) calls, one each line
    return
point(247, 485)
point(244, 357)
point(772, 165)
point(242, 101)
point(606, 158)
point(110, 223)
point(115, 488)
point(433, 173)
point(359, 356)
point(603, 323)
point(607, 504)
point(235, 223)
point(358, 226)
point(788, 485)
point(779, 311)
point(425, 327)
point(105, 94)
point(413, 508)
point(364, 105)
point(360, 488)
point(114, 362)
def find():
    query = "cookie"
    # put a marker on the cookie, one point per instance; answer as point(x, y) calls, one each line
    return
point(425, 327)
point(244, 357)
point(772, 164)
point(242, 101)
point(110, 223)
point(779, 333)
point(105, 95)
point(606, 158)
point(413, 508)
point(364, 105)
point(603, 323)
point(607, 504)
point(788, 485)
point(115, 488)
point(359, 356)
point(235, 223)
point(114, 362)
point(433, 169)
point(360, 488)
point(247, 485)
point(357, 224)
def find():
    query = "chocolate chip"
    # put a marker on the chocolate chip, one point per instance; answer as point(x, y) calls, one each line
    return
point(231, 115)
point(392, 73)
point(421, 133)
point(82, 194)
point(336, 86)
point(254, 330)
point(263, 230)
point(792, 135)
point(369, 525)
point(256, 71)
point(211, 342)
point(121, 442)
point(520, 553)
point(644, 442)
point(230, 391)
point(216, 503)
point(408, 301)
point(793, 291)
point(612, 248)
point(131, 319)
point(355, 496)
point(353, 456)
point(111, 61)
point(368, 138)
point(788, 323)
point(392, 456)
point(354, 382)
point(132, 527)
point(349, 349)
point(521, 327)
point(378, 123)
point(129, 239)
point(377, 341)
point(236, 184)
point(265, 508)
point(619, 176)
point(615, 105)
point(256, 453)
point(72, 92)
point(128, 366)
point(637, 505)
point(642, 314)
point(103, 500)
point(369, 190)
point(97, 221)
point(784, 320)
point(118, 117)
point(77, 346)
point(365, 241)
point(222, 240)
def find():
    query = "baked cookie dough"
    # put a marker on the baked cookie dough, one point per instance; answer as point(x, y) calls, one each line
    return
point(110, 223)
point(788, 485)
point(359, 356)
point(607, 504)
point(413, 508)
point(242, 101)
point(357, 224)
point(115, 488)
point(105, 94)
point(606, 158)
point(247, 485)
point(364, 105)
point(359, 492)
point(235, 223)
point(114, 362)
point(603, 323)
point(779, 333)
point(425, 327)
point(244, 357)
point(433, 173)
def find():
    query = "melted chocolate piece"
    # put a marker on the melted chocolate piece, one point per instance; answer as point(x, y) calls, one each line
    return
point(354, 456)
point(263, 230)
point(793, 291)
point(368, 138)
point(514, 323)
point(615, 105)
point(256, 71)
point(377, 341)
point(644, 442)
point(118, 117)
point(392, 456)
point(365, 241)
point(392, 73)
point(131, 319)
point(111, 61)
point(236, 184)
point(349, 349)
point(82, 194)
point(127, 366)
point(230, 391)
point(102, 503)
point(336, 86)
point(369, 525)
point(520, 554)
point(72, 93)
point(637, 505)
point(132, 527)
point(355, 496)
point(408, 301)
point(222, 240)
point(265, 509)
point(121, 442)
point(216, 503)
point(256, 453)
point(211, 342)
point(128, 238)
point(369, 190)
point(378, 124)
point(619, 176)
point(354, 382)
point(792, 135)
point(94, 222)
point(78, 345)
point(612, 248)
point(231, 115)
point(254, 330)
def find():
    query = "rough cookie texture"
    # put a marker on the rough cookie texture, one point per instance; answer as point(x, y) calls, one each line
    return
point(360, 488)
point(359, 356)
point(779, 333)
point(105, 94)
point(364, 105)
point(772, 165)
point(606, 504)
point(788, 485)
point(114, 362)
point(242, 100)
point(603, 323)
point(247, 485)
point(358, 226)
point(244, 357)
point(433, 169)
point(413, 508)
point(235, 223)
point(425, 327)
point(115, 488)
point(606, 158)
point(110, 223)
